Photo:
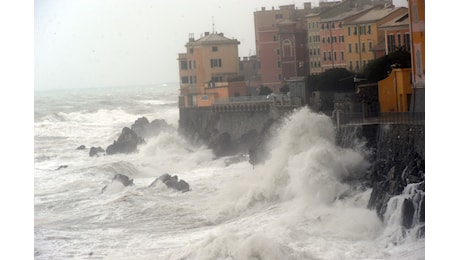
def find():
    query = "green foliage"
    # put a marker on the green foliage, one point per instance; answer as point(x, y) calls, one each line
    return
point(337, 79)
point(380, 68)
point(264, 90)
point(285, 89)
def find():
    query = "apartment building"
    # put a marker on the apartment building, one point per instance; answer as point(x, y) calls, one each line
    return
point(417, 31)
point(270, 49)
point(363, 34)
point(396, 34)
point(210, 62)
point(333, 33)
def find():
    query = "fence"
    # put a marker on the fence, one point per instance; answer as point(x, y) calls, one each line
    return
point(413, 118)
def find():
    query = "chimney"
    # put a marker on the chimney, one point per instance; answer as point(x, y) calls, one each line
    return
point(263, 8)
point(206, 33)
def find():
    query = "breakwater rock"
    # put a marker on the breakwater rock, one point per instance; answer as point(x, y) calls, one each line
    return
point(397, 154)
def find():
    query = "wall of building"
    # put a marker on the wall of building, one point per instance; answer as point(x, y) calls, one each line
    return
point(395, 91)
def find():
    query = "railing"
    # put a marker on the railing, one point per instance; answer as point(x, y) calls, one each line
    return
point(276, 101)
point(242, 99)
point(414, 118)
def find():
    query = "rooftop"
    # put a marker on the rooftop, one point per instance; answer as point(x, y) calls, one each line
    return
point(211, 39)
point(375, 14)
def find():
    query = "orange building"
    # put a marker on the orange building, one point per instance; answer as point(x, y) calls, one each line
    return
point(210, 65)
point(362, 35)
point(395, 91)
point(417, 29)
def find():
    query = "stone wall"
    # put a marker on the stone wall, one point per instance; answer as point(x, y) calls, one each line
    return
point(228, 133)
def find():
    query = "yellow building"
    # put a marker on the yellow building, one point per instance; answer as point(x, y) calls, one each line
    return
point(314, 43)
point(417, 29)
point(362, 34)
point(210, 62)
point(395, 91)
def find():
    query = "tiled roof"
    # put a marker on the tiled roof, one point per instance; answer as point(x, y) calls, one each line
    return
point(375, 14)
point(402, 20)
point(213, 38)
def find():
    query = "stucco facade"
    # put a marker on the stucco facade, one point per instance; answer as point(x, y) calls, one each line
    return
point(209, 61)
point(395, 91)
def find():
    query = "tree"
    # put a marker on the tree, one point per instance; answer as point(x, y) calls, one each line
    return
point(337, 79)
point(380, 68)
point(264, 90)
point(285, 89)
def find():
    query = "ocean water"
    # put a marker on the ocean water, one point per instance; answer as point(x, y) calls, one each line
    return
point(295, 206)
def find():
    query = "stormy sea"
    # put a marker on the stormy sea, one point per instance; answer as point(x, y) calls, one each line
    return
point(293, 206)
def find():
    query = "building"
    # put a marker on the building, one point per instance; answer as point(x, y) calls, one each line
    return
point(363, 34)
point(249, 70)
point(313, 43)
point(293, 57)
point(395, 91)
point(417, 31)
point(210, 64)
point(396, 34)
point(333, 35)
point(268, 43)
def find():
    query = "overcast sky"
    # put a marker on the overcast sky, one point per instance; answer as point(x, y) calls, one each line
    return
point(98, 43)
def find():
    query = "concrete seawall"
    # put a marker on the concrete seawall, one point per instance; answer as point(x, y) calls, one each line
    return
point(230, 132)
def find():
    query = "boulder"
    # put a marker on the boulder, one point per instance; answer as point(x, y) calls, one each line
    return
point(95, 150)
point(144, 129)
point(121, 178)
point(172, 182)
point(126, 143)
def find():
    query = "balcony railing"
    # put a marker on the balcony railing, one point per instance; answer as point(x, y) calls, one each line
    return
point(410, 118)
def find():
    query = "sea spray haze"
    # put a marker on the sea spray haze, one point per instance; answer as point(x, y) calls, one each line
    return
point(297, 205)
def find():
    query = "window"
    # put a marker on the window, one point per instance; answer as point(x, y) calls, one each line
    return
point(184, 80)
point(324, 55)
point(399, 39)
point(278, 52)
point(216, 79)
point(407, 41)
point(391, 42)
point(192, 79)
point(204, 97)
point(349, 31)
point(364, 47)
point(370, 46)
point(183, 65)
point(278, 16)
point(335, 55)
point(349, 48)
point(369, 29)
point(324, 40)
point(342, 56)
point(364, 63)
point(278, 64)
point(216, 63)
point(357, 65)
point(351, 65)
point(190, 50)
point(355, 32)
point(356, 48)
point(214, 48)
point(276, 38)
point(340, 24)
point(329, 55)
point(191, 64)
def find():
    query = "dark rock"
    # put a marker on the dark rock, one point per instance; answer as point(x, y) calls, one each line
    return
point(95, 150)
point(81, 147)
point(125, 180)
point(408, 211)
point(126, 143)
point(172, 182)
point(61, 167)
point(144, 129)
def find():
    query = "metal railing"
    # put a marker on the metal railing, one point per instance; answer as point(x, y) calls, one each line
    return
point(413, 118)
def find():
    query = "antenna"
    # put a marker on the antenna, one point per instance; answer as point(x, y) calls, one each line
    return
point(213, 31)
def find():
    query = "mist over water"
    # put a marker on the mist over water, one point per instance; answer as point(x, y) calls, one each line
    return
point(295, 206)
